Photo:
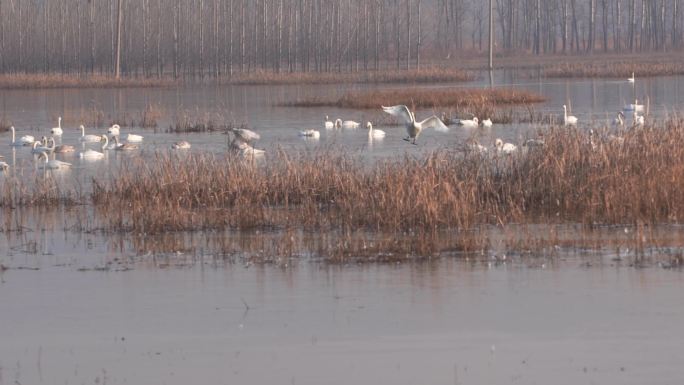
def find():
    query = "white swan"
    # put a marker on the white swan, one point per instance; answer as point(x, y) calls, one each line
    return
point(245, 135)
point(53, 164)
point(310, 133)
point(634, 107)
point(182, 145)
point(414, 128)
point(4, 166)
point(115, 129)
point(373, 133)
point(92, 154)
point(568, 119)
point(631, 80)
point(25, 140)
point(487, 123)
point(245, 149)
point(638, 119)
point(89, 138)
point(619, 120)
point(476, 147)
point(469, 123)
point(505, 148)
point(348, 124)
point(329, 125)
point(40, 148)
point(57, 130)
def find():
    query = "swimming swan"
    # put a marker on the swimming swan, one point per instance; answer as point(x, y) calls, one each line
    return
point(505, 148)
point(57, 130)
point(414, 128)
point(468, 122)
point(182, 145)
point(619, 120)
point(92, 154)
point(123, 146)
point(631, 80)
point(348, 124)
point(328, 124)
point(89, 138)
point(25, 140)
point(373, 133)
point(487, 123)
point(115, 131)
point(568, 119)
point(53, 164)
point(310, 133)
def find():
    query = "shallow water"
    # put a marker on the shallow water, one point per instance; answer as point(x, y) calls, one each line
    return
point(82, 307)
point(444, 321)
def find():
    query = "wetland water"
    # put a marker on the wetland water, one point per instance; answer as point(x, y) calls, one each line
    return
point(88, 308)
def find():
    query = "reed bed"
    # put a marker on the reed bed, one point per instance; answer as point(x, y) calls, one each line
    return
point(478, 100)
point(5, 125)
point(425, 75)
point(30, 81)
point(574, 178)
point(195, 121)
point(614, 70)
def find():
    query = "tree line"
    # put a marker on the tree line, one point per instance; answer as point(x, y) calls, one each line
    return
point(223, 37)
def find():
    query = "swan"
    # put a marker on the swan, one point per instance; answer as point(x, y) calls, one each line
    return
point(40, 148)
point(414, 128)
point(329, 125)
point(182, 145)
point(505, 148)
point(54, 164)
point(468, 122)
point(487, 123)
point(245, 135)
point(638, 119)
point(25, 140)
point(568, 119)
point(92, 154)
point(476, 147)
point(62, 148)
point(89, 138)
point(115, 129)
point(4, 166)
point(631, 80)
point(123, 146)
point(346, 124)
point(619, 120)
point(57, 130)
point(245, 149)
point(634, 107)
point(373, 133)
point(310, 133)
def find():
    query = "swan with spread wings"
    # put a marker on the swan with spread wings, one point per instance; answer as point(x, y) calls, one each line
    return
point(414, 128)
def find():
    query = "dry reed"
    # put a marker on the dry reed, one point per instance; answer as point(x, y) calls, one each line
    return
point(574, 178)
point(614, 70)
point(425, 75)
point(29, 81)
point(481, 101)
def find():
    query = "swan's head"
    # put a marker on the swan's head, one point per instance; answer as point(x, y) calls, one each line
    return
point(369, 125)
point(498, 143)
point(59, 119)
point(565, 107)
point(81, 127)
point(327, 118)
point(475, 119)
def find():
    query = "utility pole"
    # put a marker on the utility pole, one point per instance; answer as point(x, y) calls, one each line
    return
point(491, 35)
point(118, 40)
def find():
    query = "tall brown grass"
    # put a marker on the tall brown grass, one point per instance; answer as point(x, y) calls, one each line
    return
point(28, 81)
point(638, 179)
point(614, 69)
point(476, 99)
point(425, 75)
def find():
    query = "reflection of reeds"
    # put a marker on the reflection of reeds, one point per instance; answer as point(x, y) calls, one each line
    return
point(477, 100)
point(574, 178)
point(425, 75)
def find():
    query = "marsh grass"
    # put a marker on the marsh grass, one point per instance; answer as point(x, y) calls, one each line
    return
point(614, 69)
point(30, 81)
point(474, 100)
point(5, 125)
point(570, 181)
point(196, 121)
point(425, 75)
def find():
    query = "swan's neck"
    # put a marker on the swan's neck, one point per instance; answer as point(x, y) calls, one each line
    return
point(106, 142)
point(13, 138)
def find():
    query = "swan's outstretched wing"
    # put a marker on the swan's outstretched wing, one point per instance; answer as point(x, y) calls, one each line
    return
point(434, 122)
point(400, 111)
point(246, 135)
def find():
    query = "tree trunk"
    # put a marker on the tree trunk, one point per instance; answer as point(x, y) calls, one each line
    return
point(119, 19)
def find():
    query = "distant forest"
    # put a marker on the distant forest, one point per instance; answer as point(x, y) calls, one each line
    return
point(222, 37)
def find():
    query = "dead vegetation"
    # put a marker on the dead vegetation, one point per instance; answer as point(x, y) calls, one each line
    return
point(614, 69)
point(34, 81)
